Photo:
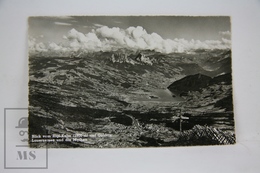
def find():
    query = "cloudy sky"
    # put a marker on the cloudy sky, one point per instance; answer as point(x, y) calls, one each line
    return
point(166, 34)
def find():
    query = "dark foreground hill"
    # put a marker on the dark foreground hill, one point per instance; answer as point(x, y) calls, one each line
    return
point(198, 82)
point(190, 83)
point(200, 90)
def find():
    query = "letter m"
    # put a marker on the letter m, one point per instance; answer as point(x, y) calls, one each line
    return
point(22, 155)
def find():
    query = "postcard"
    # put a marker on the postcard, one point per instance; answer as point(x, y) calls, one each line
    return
point(130, 81)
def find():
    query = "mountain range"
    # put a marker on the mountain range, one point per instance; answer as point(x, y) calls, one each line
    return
point(112, 80)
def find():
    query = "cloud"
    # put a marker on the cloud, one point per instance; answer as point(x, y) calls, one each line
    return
point(225, 34)
point(110, 33)
point(62, 23)
point(55, 47)
point(84, 42)
point(36, 48)
point(97, 25)
point(135, 38)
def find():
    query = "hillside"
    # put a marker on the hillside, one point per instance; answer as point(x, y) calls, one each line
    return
point(189, 83)
point(201, 91)
point(124, 94)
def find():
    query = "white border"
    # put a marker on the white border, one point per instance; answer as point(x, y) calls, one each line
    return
point(240, 158)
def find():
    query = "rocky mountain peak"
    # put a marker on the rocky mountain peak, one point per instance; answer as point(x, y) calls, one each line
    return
point(123, 57)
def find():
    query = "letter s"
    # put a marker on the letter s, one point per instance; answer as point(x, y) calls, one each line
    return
point(32, 155)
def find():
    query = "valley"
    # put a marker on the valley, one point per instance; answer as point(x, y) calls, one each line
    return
point(130, 98)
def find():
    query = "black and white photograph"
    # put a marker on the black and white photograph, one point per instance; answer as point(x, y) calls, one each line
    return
point(130, 81)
